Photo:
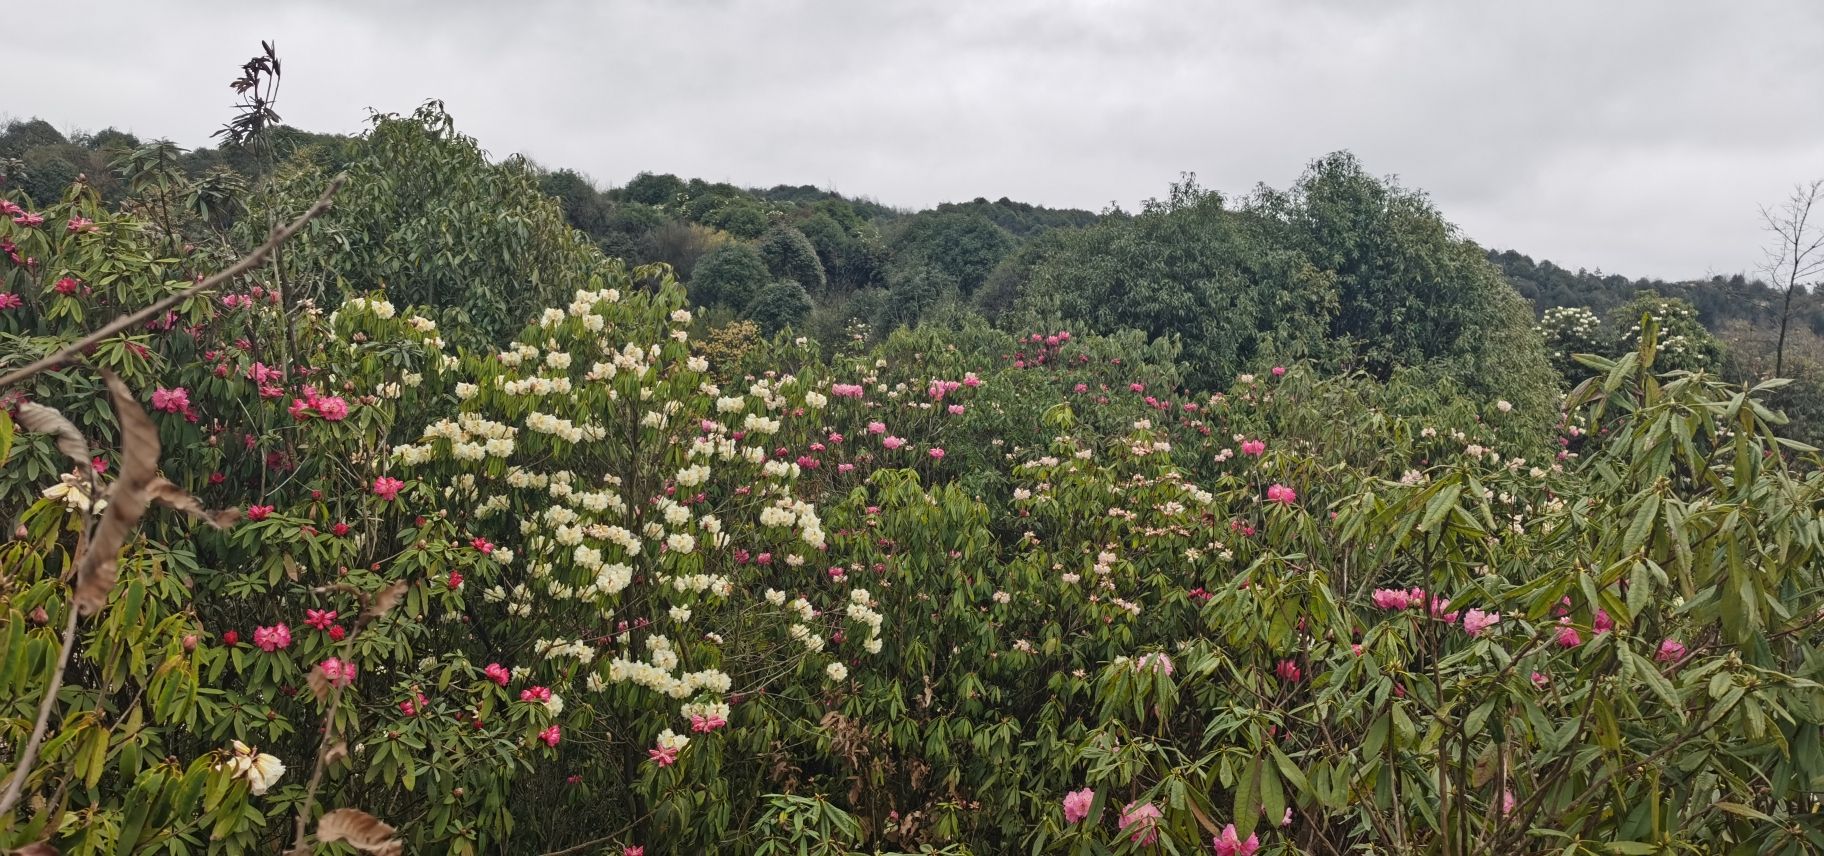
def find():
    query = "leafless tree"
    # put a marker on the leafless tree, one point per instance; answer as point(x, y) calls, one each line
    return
point(1795, 260)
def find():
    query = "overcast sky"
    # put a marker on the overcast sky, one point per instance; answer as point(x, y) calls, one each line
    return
point(1635, 137)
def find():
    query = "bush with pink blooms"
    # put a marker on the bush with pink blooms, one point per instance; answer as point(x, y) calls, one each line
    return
point(964, 592)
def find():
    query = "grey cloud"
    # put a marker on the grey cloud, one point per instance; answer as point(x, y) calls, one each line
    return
point(1634, 136)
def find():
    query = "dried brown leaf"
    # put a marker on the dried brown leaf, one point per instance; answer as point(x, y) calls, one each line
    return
point(163, 492)
point(33, 416)
point(319, 683)
point(337, 751)
point(292, 571)
point(37, 848)
point(361, 830)
point(384, 600)
point(127, 498)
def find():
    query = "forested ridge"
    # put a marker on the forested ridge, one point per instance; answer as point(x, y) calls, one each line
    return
point(371, 494)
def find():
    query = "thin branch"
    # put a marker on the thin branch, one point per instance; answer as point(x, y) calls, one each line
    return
point(16, 785)
point(247, 263)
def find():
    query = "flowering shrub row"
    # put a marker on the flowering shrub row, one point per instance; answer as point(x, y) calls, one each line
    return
point(592, 592)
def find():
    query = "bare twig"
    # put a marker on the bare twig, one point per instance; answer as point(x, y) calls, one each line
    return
point(247, 263)
point(16, 785)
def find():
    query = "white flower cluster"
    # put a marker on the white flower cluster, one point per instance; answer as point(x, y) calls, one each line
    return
point(549, 648)
point(861, 612)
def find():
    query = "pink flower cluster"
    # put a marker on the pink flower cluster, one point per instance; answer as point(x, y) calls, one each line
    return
point(1144, 818)
point(1077, 803)
point(387, 488)
point(1229, 843)
point(339, 673)
point(175, 400)
point(274, 638)
point(497, 673)
point(1279, 493)
point(333, 408)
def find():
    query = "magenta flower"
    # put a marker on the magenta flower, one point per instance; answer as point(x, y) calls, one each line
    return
point(1602, 623)
point(877, 427)
point(1475, 621)
point(1288, 671)
point(340, 674)
point(9, 300)
point(846, 390)
point(1156, 660)
point(170, 400)
point(551, 736)
point(259, 512)
point(1230, 844)
point(1670, 651)
point(1281, 494)
point(1395, 599)
point(955, 409)
point(80, 224)
point(1144, 819)
point(1254, 447)
point(1077, 803)
point(497, 673)
point(705, 723)
point(536, 695)
point(321, 619)
point(1568, 637)
point(387, 488)
point(274, 638)
point(28, 220)
point(1279, 371)
point(937, 453)
point(893, 442)
point(332, 408)
point(663, 756)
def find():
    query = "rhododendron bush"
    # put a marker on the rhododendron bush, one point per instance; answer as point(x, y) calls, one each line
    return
point(587, 591)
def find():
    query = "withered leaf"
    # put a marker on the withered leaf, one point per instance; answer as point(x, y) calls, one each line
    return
point(37, 848)
point(163, 492)
point(361, 830)
point(127, 498)
point(384, 600)
point(337, 751)
point(319, 683)
point(46, 420)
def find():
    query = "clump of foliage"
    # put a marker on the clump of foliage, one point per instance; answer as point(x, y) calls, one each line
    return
point(1280, 574)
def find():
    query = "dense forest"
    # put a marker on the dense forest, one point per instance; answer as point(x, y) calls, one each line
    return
point(371, 494)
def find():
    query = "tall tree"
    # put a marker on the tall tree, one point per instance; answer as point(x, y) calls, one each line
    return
point(1796, 257)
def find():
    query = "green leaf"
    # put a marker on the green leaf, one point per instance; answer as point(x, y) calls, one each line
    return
point(1247, 799)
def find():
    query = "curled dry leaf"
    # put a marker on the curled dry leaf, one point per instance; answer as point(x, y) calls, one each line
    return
point(361, 830)
point(384, 600)
point(37, 848)
point(163, 492)
point(319, 683)
point(46, 420)
point(127, 498)
point(337, 751)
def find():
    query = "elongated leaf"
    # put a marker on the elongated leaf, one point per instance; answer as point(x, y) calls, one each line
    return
point(361, 830)
point(46, 420)
point(384, 600)
point(127, 498)
point(163, 492)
